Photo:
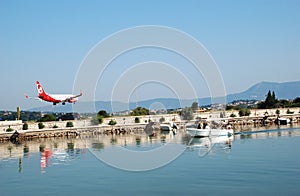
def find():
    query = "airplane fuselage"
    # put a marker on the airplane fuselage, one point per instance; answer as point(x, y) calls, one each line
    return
point(56, 98)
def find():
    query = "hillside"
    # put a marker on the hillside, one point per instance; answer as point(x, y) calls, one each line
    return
point(287, 90)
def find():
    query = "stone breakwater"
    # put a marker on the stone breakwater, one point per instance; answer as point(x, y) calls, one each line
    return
point(22, 135)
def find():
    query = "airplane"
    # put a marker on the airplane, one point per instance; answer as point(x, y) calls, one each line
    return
point(55, 98)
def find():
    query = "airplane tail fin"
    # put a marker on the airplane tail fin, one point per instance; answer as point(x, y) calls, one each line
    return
point(40, 89)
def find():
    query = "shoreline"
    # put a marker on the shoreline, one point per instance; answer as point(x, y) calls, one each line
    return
point(257, 120)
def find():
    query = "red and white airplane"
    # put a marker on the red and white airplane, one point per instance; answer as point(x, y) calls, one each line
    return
point(55, 98)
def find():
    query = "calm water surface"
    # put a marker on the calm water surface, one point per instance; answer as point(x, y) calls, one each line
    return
point(264, 163)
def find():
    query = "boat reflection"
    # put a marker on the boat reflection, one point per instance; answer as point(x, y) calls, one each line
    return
point(209, 145)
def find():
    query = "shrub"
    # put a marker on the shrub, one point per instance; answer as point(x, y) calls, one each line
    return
point(137, 120)
point(69, 124)
point(162, 119)
point(55, 127)
point(96, 120)
point(289, 111)
point(244, 112)
point(41, 125)
point(25, 126)
point(232, 115)
point(9, 129)
point(112, 122)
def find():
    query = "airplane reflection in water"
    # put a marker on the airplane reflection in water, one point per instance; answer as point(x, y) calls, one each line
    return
point(50, 151)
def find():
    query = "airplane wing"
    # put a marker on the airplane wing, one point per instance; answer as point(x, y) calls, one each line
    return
point(77, 95)
point(69, 99)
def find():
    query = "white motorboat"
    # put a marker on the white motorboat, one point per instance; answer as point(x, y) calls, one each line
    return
point(194, 131)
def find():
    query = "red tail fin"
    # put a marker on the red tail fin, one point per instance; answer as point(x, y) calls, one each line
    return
point(40, 89)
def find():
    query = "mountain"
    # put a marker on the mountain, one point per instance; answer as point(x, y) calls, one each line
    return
point(287, 90)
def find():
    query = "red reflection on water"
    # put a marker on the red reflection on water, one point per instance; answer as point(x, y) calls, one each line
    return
point(46, 154)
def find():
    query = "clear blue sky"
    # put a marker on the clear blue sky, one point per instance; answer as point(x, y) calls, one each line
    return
point(251, 41)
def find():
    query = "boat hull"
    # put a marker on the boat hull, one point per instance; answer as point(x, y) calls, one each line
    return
point(194, 132)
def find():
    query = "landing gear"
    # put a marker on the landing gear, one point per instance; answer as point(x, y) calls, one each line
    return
point(64, 103)
point(54, 103)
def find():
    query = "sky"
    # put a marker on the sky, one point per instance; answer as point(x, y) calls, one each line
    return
point(250, 42)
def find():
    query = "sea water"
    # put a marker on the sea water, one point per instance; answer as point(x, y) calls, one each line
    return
point(262, 163)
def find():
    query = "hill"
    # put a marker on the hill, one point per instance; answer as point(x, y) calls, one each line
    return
point(287, 90)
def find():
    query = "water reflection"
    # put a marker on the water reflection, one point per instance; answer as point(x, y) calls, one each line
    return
point(209, 145)
point(55, 151)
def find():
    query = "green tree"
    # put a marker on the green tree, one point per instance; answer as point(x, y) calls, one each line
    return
point(187, 114)
point(270, 101)
point(277, 112)
point(139, 111)
point(103, 113)
point(47, 118)
point(194, 106)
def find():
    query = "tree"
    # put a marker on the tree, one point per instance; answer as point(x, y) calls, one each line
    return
point(194, 106)
point(103, 113)
point(277, 112)
point(47, 118)
point(139, 111)
point(270, 101)
point(187, 114)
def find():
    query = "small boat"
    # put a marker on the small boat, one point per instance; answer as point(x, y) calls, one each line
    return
point(282, 121)
point(168, 126)
point(198, 131)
